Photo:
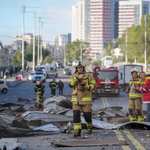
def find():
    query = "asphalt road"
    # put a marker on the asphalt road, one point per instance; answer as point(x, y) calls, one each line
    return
point(135, 139)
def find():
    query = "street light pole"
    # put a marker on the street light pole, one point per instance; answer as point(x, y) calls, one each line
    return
point(65, 57)
point(81, 52)
point(41, 42)
point(145, 44)
point(38, 60)
point(33, 67)
point(126, 45)
point(23, 11)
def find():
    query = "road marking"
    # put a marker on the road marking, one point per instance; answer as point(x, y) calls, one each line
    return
point(133, 140)
point(106, 101)
point(103, 101)
point(120, 138)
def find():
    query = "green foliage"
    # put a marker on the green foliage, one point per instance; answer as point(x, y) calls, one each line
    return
point(136, 41)
point(119, 59)
point(73, 50)
point(28, 55)
point(1, 44)
point(110, 47)
point(17, 57)
point(97, 63)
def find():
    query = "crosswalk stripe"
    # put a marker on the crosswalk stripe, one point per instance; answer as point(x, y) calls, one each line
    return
point(106, 101)
point(133, 140)
point(103, 101)
point(120, 138)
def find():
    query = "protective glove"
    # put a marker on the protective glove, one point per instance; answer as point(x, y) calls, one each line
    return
point(81, 87)
point(87, 87)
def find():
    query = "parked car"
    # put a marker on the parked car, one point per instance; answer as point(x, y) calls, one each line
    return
point(36, 76)
point(67, 71)
point(70, 63)
point(3, 87)
point(61, 65)
point(74, 63)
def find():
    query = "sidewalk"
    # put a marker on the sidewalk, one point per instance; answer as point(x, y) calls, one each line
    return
point(9, 79)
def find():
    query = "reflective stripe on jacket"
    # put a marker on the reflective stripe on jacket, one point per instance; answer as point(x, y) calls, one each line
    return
point(133, 93)
point(53, 84)
point(82, 96)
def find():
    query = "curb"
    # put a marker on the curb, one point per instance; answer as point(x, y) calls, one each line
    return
point(15, 82)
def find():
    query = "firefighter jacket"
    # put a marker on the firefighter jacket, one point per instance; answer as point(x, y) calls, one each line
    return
point(134, 93)
point(53, 85)
point(82, 88)
point(146, 90)
point(60, 85)
point(39, 89)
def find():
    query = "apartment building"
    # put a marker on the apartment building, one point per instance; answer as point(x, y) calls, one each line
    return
point(4, 57)
point(130, 13)
point(95, 22)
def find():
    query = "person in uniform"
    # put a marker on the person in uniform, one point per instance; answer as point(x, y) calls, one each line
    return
point(60, 86)
point(135, 97)
point(39, 89)
point(82, 83)
point(53, 85)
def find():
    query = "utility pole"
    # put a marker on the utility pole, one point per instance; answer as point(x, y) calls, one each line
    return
point(126, 45)
point(81, 52)
point(23, 11)
point(41, 43)
point(64, 57)
point(145, 44)
point(33, 67)
point(38, 60)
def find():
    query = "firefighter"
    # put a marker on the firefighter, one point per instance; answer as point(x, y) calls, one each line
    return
point(39, 89)
point(53, 85)
point(82, 83)
point(43, 87)
point(135, 97)
point(60, 86)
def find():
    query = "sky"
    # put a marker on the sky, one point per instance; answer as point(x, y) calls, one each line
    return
point(55, 15)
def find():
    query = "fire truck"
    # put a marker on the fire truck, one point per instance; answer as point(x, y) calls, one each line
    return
point(107, 82)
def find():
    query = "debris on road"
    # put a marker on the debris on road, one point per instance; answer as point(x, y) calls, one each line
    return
point(57, 105)
point(49, 127)
point(23, 100)
point(10, 104)
point(89, 143)
point(39, 118)
point(9, 143)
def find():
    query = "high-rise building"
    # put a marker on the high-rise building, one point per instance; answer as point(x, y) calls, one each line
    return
point(62, 40)
point(95, 22)
point(77, 22)
point(131, 12)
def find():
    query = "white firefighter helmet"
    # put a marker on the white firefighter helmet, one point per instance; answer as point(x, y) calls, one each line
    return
point(134, 70)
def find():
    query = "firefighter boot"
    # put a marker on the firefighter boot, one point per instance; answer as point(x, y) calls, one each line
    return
point(77, 134)
point(89, 131)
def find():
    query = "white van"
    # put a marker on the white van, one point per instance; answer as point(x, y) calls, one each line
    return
point(49, 70)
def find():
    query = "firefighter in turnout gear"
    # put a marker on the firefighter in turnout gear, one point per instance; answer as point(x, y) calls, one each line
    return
point(43, 87)
point(82, 83)
point(60, 86)
point(135, 97)
point(53, 85)
point(39, 89)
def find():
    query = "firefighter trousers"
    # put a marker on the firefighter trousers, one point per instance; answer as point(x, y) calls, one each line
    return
point(135, 109)
point(39, 100)
point(53, 92)
point(60, 91)
point(87, 113)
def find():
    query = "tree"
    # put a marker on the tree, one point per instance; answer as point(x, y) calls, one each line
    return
point(136, 41)
point(73, 50)
point(109, 49)
point(1, 44)
point(28, 55)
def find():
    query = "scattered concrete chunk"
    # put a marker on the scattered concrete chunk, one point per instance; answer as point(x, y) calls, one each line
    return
point(89, 143)
point(23, 100)
point(9, 143)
